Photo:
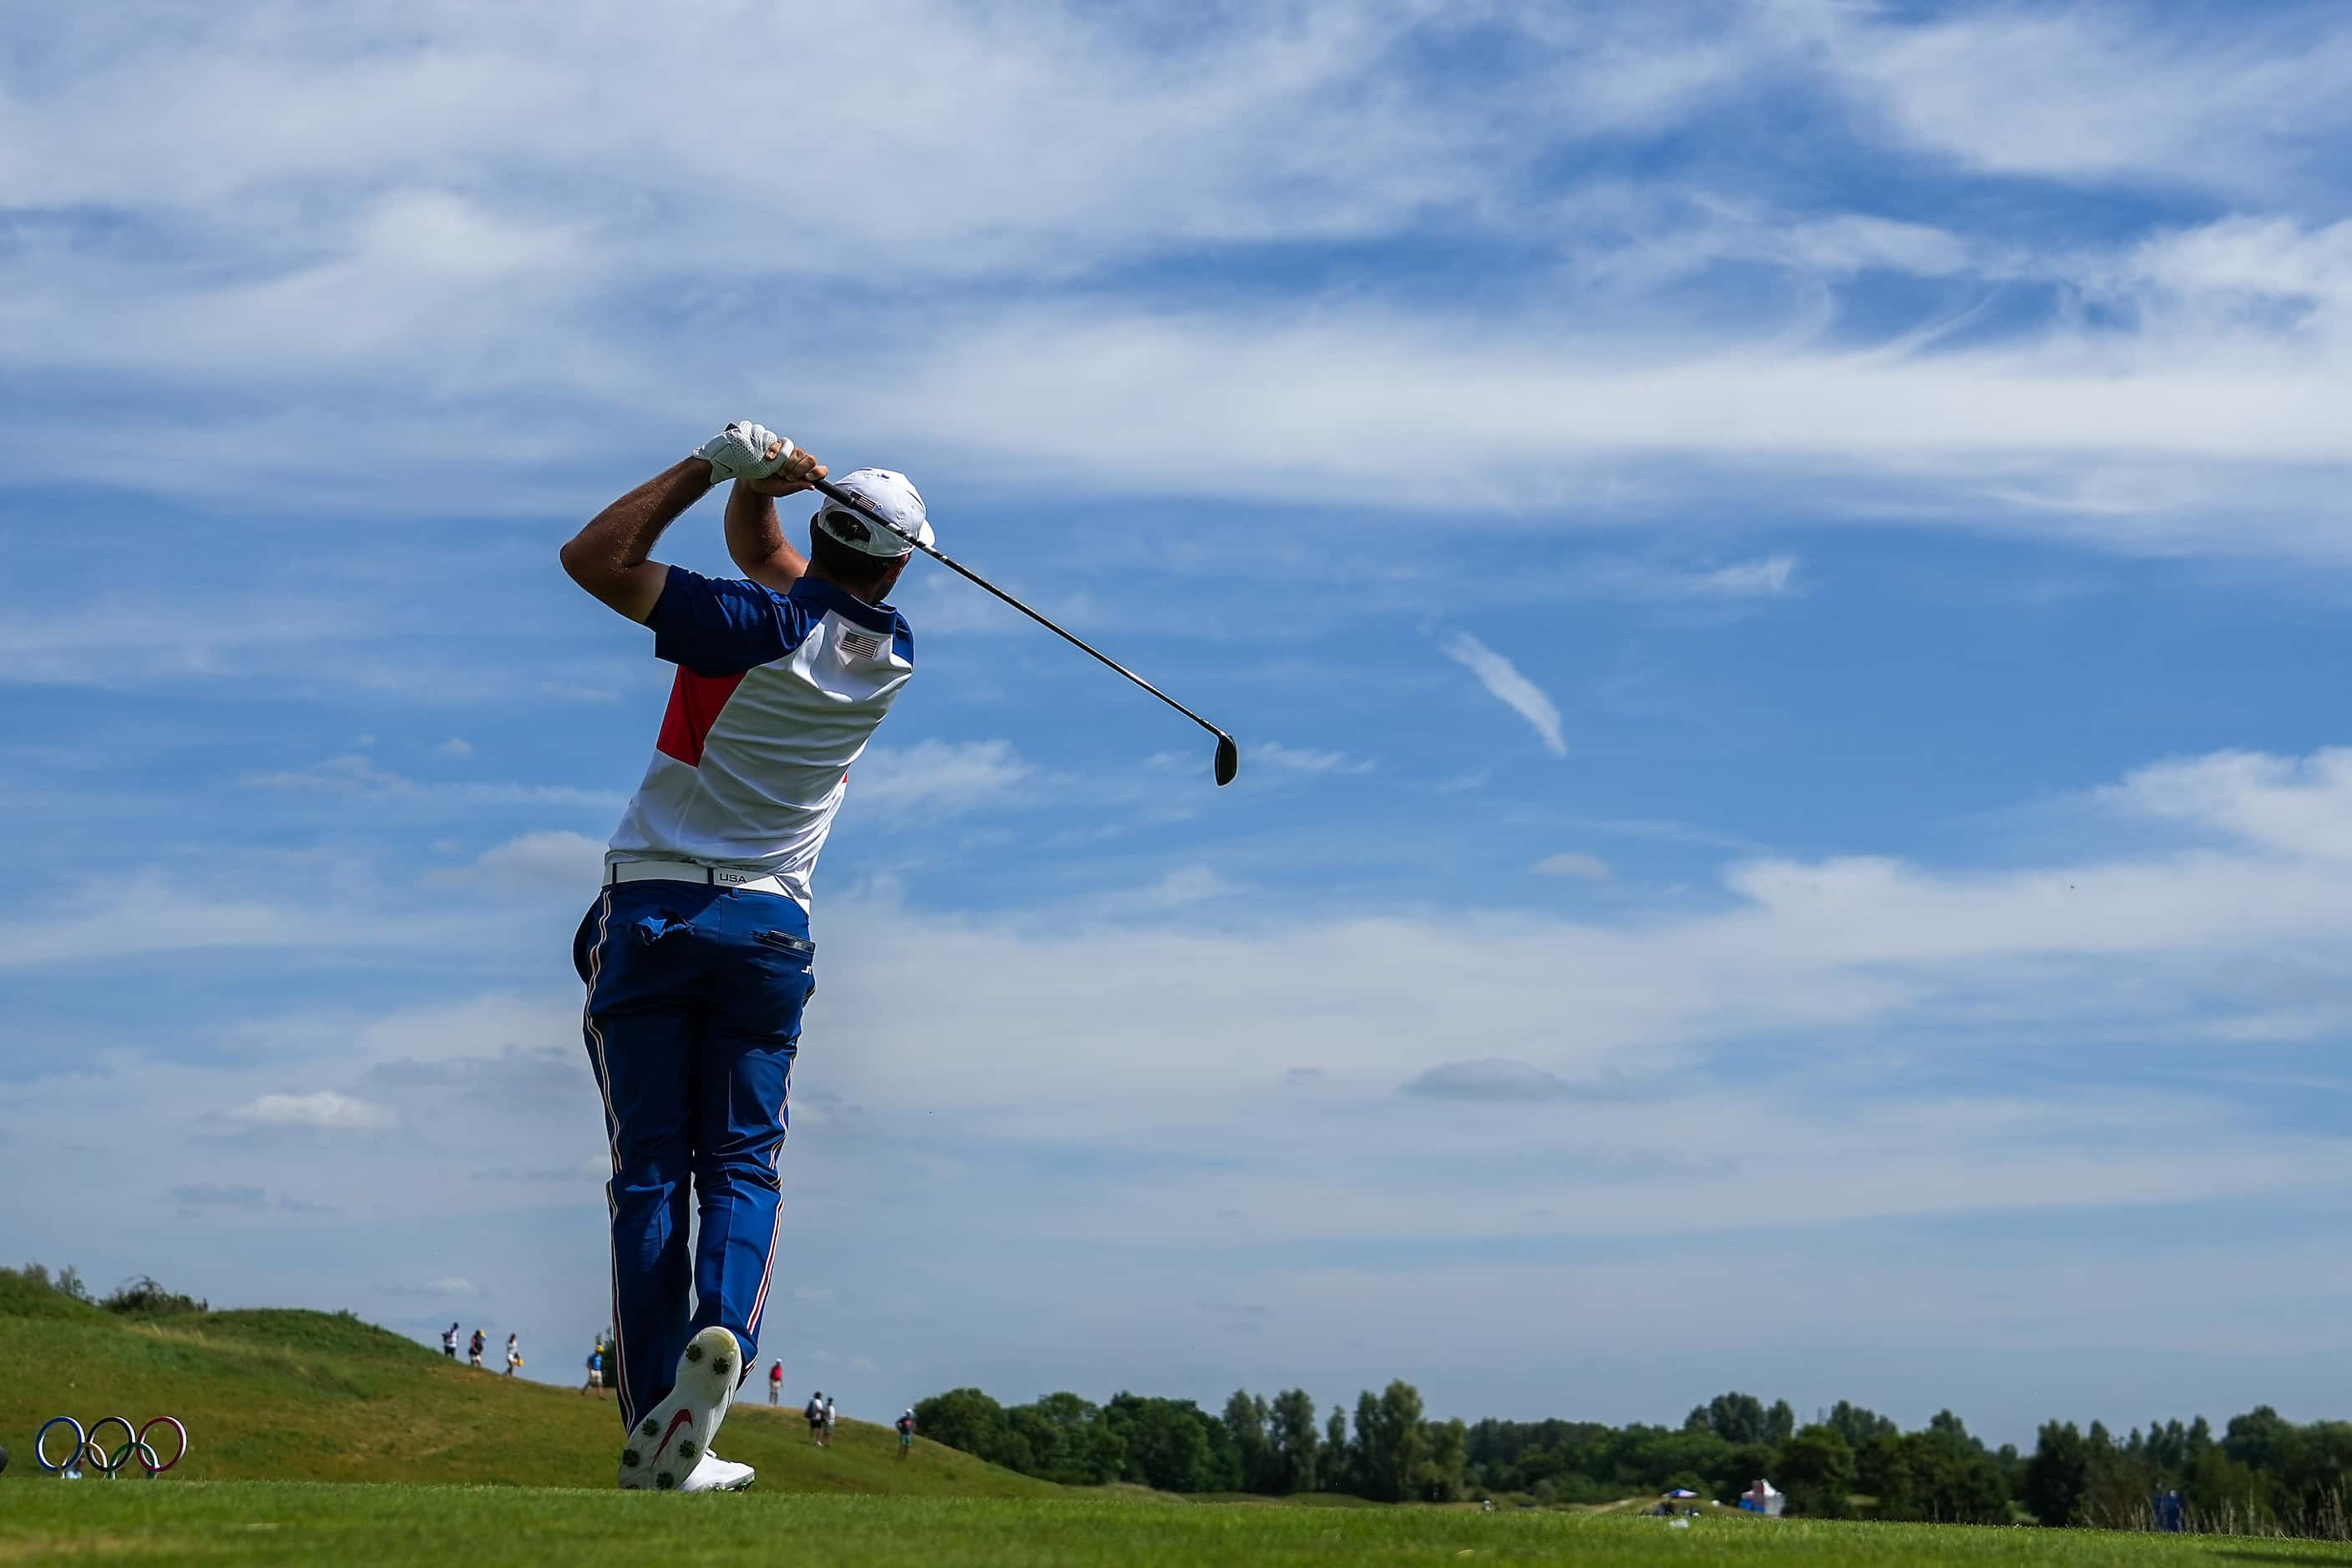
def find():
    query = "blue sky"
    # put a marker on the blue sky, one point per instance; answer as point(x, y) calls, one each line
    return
point(1780, 570)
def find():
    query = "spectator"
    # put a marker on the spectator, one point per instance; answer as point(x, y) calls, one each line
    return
point(514, 1354)
point(449, 1342)
point(814, 1411)
point(776, 1384)
point(474, 1350)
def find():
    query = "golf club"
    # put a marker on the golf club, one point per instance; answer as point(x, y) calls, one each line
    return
point(1229, 756)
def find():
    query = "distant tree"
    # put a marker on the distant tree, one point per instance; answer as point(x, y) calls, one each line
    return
point(1735, 1418)
point(1779, 1422)
point(141, 1297)
point(1245, 1420)
point(2058, 1474)
point(1068, 1438)
point(1858, 1425)
point(968, 1419)
point(1955, 1481)
point(1817, 1471)
point(1339, 1462)
point(1882, 1468)
point(2257, 1440)
point(1290, 1431)
point(1166, 1441)
point(1390, 1441)
point(1443, 1461)
point(2225, 1493)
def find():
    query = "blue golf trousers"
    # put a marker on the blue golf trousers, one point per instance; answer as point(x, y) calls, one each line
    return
point(693, 1017)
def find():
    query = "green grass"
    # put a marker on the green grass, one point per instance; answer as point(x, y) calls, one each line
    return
point(286, 1409)
point(255, 1523)
point(288, 1395)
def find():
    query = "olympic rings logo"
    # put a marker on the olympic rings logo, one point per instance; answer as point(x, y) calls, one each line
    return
point(87, 1449)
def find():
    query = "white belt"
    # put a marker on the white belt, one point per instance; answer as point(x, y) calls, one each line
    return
point(742, 881)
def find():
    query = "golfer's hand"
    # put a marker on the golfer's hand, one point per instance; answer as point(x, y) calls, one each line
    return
point(793, 469)
point(745, 451)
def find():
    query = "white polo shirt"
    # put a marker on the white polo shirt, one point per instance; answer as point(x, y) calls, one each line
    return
point(776, 695)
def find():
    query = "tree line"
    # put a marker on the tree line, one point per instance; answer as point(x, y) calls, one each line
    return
point(2261, 1473)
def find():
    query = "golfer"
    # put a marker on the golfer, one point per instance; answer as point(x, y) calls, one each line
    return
point(697, 955)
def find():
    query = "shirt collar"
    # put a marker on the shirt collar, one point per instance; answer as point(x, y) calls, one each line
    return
point(833, 596)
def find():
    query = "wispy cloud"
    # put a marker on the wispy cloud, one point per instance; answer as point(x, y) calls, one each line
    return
point(1504, 682)
point(546, 861)
point(357, 775)
point(948, 776)
point(1488, 1077)
point(1571, 863)
point(1308, 760)
point(323, 1110)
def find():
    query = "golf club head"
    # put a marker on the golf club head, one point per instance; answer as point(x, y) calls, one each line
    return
point(1229, 759)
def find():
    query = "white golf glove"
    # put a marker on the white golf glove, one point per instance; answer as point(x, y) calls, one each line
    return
point(740, 452)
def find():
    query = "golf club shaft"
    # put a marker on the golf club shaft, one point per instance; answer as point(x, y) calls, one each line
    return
point(843, 498)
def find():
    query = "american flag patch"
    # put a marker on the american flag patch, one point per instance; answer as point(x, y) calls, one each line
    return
point(859, 644)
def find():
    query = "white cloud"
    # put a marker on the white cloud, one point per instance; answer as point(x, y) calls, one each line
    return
point(453, 233)
point(152, 913)
point(1573, 863)
point(1503, 682)
point(940, 775)
point(323, 1110)
point(1307, 759)
point(1184, 886)
point(545, 861)
point(455, 746)
point(450, 1286)
point(2237, 102)
point(2298, 807)
point(359, 777)
point(1766, 578)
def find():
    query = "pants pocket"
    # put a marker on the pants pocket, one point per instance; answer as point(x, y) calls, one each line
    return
point(583, 938)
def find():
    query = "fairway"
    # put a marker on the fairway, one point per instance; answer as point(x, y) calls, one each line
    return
point(268, 1522)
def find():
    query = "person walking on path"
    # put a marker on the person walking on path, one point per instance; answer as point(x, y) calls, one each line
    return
point(474, 1350)
point(696, 956)
point(776, 1384)
point(828, 1421)
point(514, 1354)
point(907, 1432)
point(449, 1342)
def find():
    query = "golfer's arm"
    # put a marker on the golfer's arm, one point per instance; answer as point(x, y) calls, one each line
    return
point(608, 556)
point(756, 539)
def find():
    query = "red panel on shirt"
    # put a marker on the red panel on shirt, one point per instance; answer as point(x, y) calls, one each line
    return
point(694, 704)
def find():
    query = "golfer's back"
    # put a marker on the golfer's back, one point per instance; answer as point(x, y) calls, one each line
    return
point(776, 695)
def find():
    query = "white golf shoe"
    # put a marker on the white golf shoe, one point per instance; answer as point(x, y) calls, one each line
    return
point(717, 1475)
point(667, 1446)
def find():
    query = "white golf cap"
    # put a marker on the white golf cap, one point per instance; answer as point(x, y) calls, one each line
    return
point(893, 498)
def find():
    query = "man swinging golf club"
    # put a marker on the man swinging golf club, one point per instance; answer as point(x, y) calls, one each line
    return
point(697, 954)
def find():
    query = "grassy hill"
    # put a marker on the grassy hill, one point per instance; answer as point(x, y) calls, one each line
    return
point(306, 1522)
point(289, 1396)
